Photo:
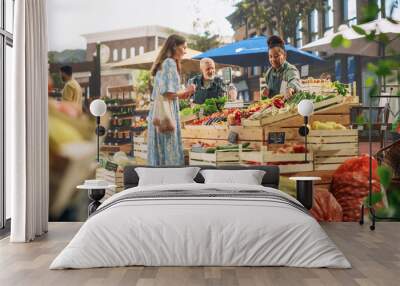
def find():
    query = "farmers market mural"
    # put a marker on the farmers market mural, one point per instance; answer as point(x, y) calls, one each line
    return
point(172, 98)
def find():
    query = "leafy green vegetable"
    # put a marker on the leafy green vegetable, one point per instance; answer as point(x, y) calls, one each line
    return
point(245, 145)
point(183, 104)
point(197, 108)
point(340, 88)
point(210, 109)
point(227, 147)
point(375, 198)
point(385, 176)
point(186, 112)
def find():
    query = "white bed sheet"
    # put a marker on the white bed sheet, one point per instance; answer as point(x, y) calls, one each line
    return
point(200, 232)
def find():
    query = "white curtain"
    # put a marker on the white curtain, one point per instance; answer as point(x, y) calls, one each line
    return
point(27, 171)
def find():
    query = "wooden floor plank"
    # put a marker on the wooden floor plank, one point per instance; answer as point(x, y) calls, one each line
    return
point(375, 258)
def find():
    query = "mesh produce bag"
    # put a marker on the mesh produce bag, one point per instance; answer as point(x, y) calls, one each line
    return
point(350, 185)
point(325, 207)
point(163, 117)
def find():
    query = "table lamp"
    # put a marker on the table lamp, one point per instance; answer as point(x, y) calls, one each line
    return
point(98, 108)
point(305, 109)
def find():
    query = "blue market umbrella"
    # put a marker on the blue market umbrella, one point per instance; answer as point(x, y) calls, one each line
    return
point(253, 52)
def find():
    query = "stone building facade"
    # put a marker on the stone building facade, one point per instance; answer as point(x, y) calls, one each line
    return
point(122, 44)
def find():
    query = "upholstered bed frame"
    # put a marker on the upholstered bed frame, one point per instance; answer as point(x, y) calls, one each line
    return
point(271, 177)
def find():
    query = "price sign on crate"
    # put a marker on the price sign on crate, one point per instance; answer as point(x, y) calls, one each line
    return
point(276, 138)
point(233, 137)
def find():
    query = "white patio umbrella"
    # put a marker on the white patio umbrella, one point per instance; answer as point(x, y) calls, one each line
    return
point(146, 60)
point(359, 45)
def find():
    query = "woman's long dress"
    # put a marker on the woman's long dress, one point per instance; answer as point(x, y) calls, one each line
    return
point(165, 149)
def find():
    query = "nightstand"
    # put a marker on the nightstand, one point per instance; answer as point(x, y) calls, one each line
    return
point(95, 193)
point(304, 190)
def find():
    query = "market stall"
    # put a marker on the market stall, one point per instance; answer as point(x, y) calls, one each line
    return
point(267, 131)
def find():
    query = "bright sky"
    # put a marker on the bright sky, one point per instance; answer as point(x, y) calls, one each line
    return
point(68, 19)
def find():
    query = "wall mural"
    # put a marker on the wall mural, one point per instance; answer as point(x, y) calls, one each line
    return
point(192, 110)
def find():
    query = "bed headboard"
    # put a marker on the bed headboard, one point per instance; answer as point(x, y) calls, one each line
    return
point(271, 177)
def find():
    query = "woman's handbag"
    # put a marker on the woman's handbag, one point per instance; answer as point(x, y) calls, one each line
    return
point(163, 117)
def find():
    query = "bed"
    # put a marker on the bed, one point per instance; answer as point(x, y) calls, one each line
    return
point(199, 224)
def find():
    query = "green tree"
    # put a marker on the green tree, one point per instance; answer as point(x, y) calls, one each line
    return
point(144, 81)
point(204, 39)
point(276, 16)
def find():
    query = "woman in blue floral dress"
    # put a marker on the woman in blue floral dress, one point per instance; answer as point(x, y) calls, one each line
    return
point(165, 146)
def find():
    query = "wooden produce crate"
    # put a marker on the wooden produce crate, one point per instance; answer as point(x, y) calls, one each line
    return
point(218, 135)
point(272, 158)
point(339, 113)
point(325, 87)
point(113, 177)
point(269, 119)
point(205, 132)
point(140, 146)
point(334, 109)
point(140, 150)
point(219, 158)
point(332, 147)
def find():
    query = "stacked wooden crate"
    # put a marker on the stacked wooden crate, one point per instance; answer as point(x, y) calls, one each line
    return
point(332, 147)
point(213, 135)
point(113, 174)
point(287, 162)
point(140, 146)
point(287, 124)
point(219, 135)
point(218, 158)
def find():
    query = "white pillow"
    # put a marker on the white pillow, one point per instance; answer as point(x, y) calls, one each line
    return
point(248, 177)
point(166, 176)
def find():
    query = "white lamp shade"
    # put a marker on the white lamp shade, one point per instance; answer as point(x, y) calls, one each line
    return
point(98, 107)
point(305, 107)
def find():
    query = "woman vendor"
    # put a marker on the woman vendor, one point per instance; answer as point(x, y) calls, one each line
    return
point(282, 77)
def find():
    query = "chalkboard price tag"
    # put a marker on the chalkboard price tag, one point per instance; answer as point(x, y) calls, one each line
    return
point(276, 137)
point(111, 166)
point(233, 137)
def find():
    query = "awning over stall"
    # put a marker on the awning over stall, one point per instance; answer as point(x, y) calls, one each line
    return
point(254, 52)
point(146, 60)
point(359, 45)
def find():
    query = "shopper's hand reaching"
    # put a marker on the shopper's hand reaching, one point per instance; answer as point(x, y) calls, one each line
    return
point(190, 89)
point(289, 94)
point(187, 92)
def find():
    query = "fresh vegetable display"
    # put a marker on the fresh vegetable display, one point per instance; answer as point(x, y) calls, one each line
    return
point(214, 114)
point(267, 107)
point(210, 106)
point(186, 111)
point(202, 147)
point(329, 125)
point(218, 118)
point(308, 95)
point(291, 148)
point(340, 88)
point(183, 104)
